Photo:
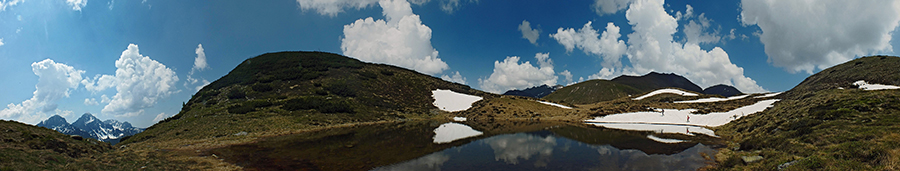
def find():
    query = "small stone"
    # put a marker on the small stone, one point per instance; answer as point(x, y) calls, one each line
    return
point(241, 133)
point(785, 165)
point(751, 159)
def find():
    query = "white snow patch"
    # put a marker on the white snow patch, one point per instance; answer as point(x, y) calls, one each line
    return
point(667, 90)
point(659, 128)
point(713, 99)
point(450, 101)
point(554, 104)
point(664, 140)
point(769, 95)
point(459, 119)
point(449, 132)
point(866, 86)
point(685, 117)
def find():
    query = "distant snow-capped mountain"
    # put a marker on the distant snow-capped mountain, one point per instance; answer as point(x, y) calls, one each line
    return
point(90, 127)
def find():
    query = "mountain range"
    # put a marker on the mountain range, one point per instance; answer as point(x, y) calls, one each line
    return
point(536, 91)
point(88, 126)
point(593, 91)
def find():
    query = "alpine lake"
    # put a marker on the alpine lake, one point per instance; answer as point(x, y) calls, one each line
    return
point(495, 145)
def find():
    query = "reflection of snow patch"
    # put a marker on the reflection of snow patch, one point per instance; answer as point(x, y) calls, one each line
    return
point(659, 128)
point(713, 99)
point(685, 117)
point(554, 104)
point(450, 132)
point(459, 119)
point(664, 140)
point(450, 101)
point(668, 90)
point(866, 86)
point(769, 95)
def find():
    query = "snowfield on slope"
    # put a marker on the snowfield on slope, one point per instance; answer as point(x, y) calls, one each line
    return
point(449, 132)
point(659, 128)
point(554, 104)
point(866, 86)
point(450, 101)
point(685, 117)
point(713, 99)
point(769, 95)
point(667, 90)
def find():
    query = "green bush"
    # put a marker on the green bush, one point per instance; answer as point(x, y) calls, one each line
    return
point(320, 104)
point(259, 103)
point(236, 94)
point(341, 89)
point(261, 87)
point(240, 109)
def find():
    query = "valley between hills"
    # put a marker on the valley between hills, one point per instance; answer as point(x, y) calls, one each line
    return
point(830, 121)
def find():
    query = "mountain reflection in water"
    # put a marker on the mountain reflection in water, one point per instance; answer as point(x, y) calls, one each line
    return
point(523, 145)
point(545, 151)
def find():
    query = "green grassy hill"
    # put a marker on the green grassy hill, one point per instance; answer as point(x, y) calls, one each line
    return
point(820, 127)
point(285, 91)
point(592, 91)
point(27, 147)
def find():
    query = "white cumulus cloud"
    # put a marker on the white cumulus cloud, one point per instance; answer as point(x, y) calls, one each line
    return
point(510, 74)
point(607, 46)
point(160, 117)
point(651, 47)
point(140, 83)
point(603, 7)
point(91, 102)
point(99, 83)
point(400, 40)
point(807, 35)
point(455, 78)
point(529, 33)
point(568, 77)
point(55, 81)
point(77, 4)
point(333, 7)
point(200, 60)
point(1, 42)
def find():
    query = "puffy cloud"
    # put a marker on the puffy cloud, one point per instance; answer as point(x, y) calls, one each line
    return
point(7, 3)
point(568, 77)
point(451, 5)
point(104, 99)
point(160, 117)
point(603, 7)
point(651, 48)
point(1, 42)
point(76, 4)
point(333, 7)
point(91, 102)
point(528, 33)
point(200, 60)
point(696, 31)
point(400, 40)
point(455, 78)
point(140, 83)
point(608, 46)
point(805, 35)
point(55, 80)
point(199, 65)
point(510, 74)
point(99, 83)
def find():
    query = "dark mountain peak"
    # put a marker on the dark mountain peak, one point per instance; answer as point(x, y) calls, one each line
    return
point(723, 90)
point(654, 80)
point(536, 91)
point(86, 119)
point(54, 121)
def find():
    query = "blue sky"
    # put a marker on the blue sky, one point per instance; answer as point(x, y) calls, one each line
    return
point(137, 61)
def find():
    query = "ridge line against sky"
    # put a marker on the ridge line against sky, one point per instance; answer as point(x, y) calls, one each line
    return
point(86, 59)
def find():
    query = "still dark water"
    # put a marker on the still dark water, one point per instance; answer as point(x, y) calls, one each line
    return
point(502, 146)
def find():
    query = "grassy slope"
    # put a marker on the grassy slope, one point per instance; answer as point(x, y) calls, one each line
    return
point(592, 91)
point(26, 147)
point(822, 127)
